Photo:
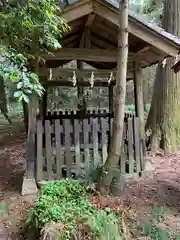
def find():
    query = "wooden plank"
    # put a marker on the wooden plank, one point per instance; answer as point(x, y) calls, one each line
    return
point(86, 30)
point(123, 156)
point(80, 73)
point(138, 81)
point(77, 10)
point(39, 159)
point(86, 142)
point(59, 162)
point(142, 155)
point(48, 149)
point(77, 147)
point(130, 145)
point(104, 140)
point(84, 54)
point(68, 83)
point(137, 144)
point(95, 142)
point(67, 128)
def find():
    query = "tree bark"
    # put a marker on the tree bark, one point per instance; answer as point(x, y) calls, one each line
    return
point(25, 112)
point(31, 148)
point(118, 123)
point(164, 116)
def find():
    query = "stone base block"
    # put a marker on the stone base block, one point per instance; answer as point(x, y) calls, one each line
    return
point(29, 187)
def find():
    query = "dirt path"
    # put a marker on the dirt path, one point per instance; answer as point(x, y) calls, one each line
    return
point(12, 165)
point(162, 188)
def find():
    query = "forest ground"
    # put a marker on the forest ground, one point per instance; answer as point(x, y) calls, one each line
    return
point(162, 188)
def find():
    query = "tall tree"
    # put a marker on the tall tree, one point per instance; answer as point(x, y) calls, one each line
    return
point(118, 123)
point(164, 116)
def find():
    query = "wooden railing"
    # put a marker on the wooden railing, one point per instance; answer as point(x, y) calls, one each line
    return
point(78, 143)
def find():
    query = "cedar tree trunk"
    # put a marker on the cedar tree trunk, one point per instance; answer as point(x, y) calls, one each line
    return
point(164, 116)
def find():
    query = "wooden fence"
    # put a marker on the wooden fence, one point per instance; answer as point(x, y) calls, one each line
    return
point(78, 144)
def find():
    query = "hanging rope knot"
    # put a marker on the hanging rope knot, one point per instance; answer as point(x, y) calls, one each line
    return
point(92, 80)
point(110, 78)
point(50, 74)
point(74, 79)
point(176, 59)
point(164, 62)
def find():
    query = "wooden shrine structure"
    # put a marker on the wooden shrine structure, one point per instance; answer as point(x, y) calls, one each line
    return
point(92, 39)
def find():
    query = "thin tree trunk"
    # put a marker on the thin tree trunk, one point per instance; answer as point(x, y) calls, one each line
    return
point(25, 111)
point(31, 151)
point(164, 116)
point(118, 123)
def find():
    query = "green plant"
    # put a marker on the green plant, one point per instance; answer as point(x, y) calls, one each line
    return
point(13, 67)
point(65, 205)
point(28, 28)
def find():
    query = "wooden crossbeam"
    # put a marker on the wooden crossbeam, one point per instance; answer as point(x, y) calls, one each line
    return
point(65, 73)
point(80, 73)
point(65, 83)
point(96, 55)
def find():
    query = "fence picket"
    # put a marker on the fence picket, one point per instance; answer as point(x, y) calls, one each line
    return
point(123, 156)
point(59, 159)
point(68, 154)
point(86, 142)
point(48, 149)
point(137, 144)
point(103, 140)
point(39, 162)
point(130, 145)
point(77, 146)
point(95, 142)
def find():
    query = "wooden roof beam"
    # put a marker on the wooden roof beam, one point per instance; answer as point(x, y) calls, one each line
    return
point(102, 43)
point(86, 38)
point(77, 10)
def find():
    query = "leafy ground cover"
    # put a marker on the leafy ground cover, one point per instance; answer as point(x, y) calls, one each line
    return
point(64, 206)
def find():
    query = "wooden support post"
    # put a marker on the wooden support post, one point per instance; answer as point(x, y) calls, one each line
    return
point(139, 103)
point(110, 111)
point(44, 102)
point(82, 104)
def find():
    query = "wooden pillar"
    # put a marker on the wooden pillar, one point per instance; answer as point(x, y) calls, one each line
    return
point(111, 95)
point(139, 103)
point(82, 105)
point(44, 103)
